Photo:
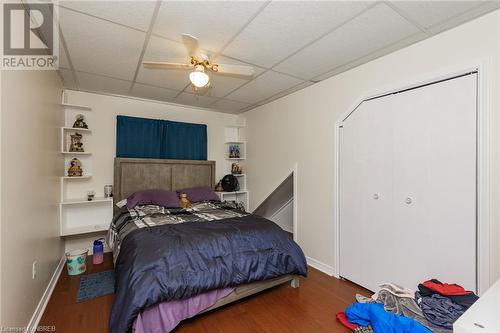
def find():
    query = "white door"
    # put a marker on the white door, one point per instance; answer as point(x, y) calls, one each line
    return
point(365, 191)
point(435, 183)
point(416, 150)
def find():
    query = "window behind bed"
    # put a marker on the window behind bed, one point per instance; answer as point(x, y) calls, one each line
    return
point(154, 138)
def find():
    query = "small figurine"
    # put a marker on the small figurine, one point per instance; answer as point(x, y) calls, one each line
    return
point(185, 203)
point(80, 122)
point(75, 169)
point(90, 195)
point(76, 143)
point(236, 168)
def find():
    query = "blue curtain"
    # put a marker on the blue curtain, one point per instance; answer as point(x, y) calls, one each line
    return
point(152, 138)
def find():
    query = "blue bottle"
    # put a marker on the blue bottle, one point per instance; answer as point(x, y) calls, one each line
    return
point(98, 256)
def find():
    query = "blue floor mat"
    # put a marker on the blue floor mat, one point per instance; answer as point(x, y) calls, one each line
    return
point(96, 285)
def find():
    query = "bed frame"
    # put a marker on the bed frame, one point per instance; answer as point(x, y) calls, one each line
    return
point(136, 174)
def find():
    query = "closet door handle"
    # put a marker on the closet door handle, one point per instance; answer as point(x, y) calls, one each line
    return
point(408, 200)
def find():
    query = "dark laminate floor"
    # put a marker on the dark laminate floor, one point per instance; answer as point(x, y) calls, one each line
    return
point(309, 309)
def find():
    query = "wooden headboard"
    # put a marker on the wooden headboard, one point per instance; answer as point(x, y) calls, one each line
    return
point(136, 174)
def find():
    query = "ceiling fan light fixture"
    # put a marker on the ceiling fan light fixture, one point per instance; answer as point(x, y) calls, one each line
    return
point(198, 77)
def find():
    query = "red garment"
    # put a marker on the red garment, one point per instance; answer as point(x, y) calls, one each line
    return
point(344, 321)
point(446, 289)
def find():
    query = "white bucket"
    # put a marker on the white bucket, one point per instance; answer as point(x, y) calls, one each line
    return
point(76, 261)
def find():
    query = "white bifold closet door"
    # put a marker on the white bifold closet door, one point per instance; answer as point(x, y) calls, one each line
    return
point(408, 187)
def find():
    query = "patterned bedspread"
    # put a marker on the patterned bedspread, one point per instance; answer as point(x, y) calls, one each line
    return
point(128, 220)
point(160, 258)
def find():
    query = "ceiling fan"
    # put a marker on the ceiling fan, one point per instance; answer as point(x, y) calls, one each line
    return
point(200, 65)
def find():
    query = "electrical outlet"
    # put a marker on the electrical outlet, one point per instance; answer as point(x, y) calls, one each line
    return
point(33, 271)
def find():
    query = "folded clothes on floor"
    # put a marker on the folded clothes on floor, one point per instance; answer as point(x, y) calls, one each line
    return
point(400, 301)
point(465, 300)
point(445, 289)
point(439, 310)
point(382, 321)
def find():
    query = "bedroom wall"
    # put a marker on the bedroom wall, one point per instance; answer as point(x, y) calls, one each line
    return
point(105, 108)
point(299, 128)
point(30, 166)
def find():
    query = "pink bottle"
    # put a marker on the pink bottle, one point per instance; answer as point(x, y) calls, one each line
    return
point(98, 256)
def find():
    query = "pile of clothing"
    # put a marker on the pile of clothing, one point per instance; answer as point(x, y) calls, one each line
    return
point(394, 309)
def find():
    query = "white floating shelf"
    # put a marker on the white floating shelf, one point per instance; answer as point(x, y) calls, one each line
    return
point(85, 230)
point(234, 192)
point(76, 129)
point(239, 174)
point(85, 201)
point(79, 177)
point(234, 158)
point(235, 142)
point(76, 106)
point(76, 153)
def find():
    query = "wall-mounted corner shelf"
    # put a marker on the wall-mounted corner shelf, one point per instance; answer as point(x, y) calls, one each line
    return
point(76, 153)
point(77, 215)
point(84, 230)
point(73, 129)
point(79, 177)
point(85, 201)
point(76, 106)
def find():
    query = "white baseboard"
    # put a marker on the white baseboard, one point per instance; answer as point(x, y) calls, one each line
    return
point(37, 315)
point(320, 266)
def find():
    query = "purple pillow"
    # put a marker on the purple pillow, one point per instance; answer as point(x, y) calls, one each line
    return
point(201, 193)
point(153, 197)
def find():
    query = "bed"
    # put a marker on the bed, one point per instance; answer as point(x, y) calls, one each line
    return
point(252, 254)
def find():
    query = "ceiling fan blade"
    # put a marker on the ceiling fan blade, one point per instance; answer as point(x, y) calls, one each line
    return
point(165, 65)
point(191, 44)
point(245, 72)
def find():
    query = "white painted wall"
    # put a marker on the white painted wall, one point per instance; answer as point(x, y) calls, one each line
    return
point(102, 142)
point(284, 217)
point(299, 128)
point(30, 166)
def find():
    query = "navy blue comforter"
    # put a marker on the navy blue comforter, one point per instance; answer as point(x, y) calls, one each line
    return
point(177, 261)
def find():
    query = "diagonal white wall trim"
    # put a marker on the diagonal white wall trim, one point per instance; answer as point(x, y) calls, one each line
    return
point(40, 309)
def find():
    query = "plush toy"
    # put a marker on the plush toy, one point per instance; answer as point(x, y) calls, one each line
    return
point(185, 203)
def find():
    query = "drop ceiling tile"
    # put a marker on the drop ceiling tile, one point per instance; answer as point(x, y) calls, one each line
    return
point(213, 22)
point(194, 100)
point(68, 78)
point(429, 13)
point(228, 106)
point(475, 12)
point(136, 14)
point(372, 56)
point(283, 27)
point(223, 85)
point(264, 86)
point(98, 46)
point(156, 93)
point(97, 83)
point(376, 28)
point(285, 92)
point(161, 49)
